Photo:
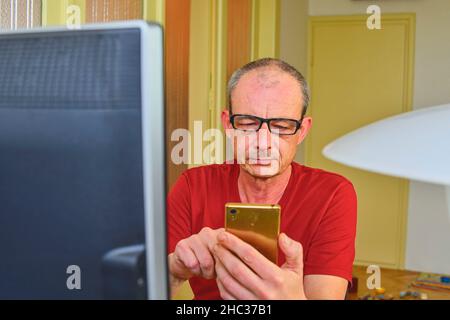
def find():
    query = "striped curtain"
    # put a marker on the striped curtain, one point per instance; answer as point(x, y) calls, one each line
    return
point(110, 10)
point(20, 14)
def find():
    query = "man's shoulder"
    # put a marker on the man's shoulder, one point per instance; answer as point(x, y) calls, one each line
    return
point(315, 183)
point(317, 176)
point(203, 179)
point(211, 171)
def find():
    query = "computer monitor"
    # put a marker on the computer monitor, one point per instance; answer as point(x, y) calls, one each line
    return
point(82, 163)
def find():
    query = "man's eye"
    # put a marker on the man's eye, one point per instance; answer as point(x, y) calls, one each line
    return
point(280, 127)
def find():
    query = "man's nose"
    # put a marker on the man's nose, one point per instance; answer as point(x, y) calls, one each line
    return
point(264, 137)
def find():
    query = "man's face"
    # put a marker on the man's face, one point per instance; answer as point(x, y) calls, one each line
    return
point(268, 93)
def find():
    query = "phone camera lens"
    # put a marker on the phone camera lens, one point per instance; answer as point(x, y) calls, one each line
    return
point(233, 211)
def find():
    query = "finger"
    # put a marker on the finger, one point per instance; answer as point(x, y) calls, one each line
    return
point(209, 237)
point(204, 257)
point(293, 252)
point(224, 292)
point(177, 268)
point(231, 285)
point(185, 255)
point(239, 270)
point(249, 255)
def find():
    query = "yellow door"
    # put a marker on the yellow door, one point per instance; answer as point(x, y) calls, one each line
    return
point(359, 76)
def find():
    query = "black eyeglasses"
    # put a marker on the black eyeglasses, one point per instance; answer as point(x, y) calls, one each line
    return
point(281, 126)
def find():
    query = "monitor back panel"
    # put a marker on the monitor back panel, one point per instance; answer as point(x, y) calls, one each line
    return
point(71, 180)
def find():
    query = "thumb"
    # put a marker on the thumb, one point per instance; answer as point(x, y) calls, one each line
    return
point(293, 252)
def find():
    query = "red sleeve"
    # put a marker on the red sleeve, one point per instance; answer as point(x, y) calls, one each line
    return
point(178, 212)
point(332, 248)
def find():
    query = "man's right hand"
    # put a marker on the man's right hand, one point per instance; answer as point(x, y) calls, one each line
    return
point(193, 257)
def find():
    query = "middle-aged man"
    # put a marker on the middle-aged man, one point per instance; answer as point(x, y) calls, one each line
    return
point(268, 98)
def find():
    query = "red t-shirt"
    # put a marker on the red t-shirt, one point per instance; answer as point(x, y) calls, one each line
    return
point(318, 209)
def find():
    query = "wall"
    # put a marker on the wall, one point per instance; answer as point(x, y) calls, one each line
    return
point(428, 235)
point(293, 41)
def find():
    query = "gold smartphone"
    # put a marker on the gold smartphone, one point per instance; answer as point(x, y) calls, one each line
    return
point(256, 224)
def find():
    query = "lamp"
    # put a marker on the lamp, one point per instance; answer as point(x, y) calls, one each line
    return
point(413, 145)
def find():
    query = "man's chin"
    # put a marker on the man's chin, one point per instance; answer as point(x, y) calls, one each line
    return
point(263, 170)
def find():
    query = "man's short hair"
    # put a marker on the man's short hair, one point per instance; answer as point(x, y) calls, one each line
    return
point(268, 62)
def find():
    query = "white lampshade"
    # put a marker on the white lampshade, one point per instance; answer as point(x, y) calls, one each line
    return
point(413, 145)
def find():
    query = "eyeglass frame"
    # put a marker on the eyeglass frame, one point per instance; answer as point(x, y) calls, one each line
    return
point(264, 120)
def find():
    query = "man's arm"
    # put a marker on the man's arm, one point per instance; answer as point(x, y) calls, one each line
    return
point(328, 266)
point(324, 287)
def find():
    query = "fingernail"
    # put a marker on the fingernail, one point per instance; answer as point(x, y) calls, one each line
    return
point(287, 241)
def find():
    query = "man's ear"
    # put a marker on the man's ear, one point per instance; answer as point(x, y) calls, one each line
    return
point(225, 117)
point(304, 129)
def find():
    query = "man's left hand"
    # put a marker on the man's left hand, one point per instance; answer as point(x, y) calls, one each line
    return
point(245, 274)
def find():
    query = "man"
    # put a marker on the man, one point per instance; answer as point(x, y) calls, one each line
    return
point(268, 98)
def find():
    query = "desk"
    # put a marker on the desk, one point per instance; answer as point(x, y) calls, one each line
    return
point(393, 281)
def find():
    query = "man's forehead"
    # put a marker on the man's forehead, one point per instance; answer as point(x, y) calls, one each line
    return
point(268, 90)
point(264, 77)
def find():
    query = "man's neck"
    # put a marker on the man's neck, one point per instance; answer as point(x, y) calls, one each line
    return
point(262, 190)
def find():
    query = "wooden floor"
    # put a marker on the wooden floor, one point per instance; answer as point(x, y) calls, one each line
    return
point(394, 281)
